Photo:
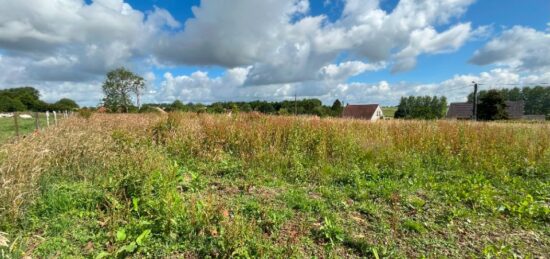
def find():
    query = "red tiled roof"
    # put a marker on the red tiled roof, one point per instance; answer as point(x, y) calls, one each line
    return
point(360, 111)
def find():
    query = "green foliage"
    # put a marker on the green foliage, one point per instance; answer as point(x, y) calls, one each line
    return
point(118, 86)
point(64, 104)
point(337, 108)
point(305, 106)
point(202, 185)
point(413, 226)
point(537, 99)
point(492, 107)
point(331, 231)
point(8, 104)
point(177, 105)
point(21, 99)
point(418, 107)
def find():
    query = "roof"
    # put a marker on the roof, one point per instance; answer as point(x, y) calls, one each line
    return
point(460, 111)
point(515, 110)
point(364, 111)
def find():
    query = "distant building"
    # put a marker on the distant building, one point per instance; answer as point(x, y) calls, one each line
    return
point(464, 111)
point(460, 111)
point(371, 112)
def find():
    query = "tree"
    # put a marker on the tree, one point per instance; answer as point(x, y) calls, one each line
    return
point(177, 105)
point(337, 108)
point(28, 96)
point(65, 104)
point(421, 107)
point(118, 86)
point(492, 106)
point(8, 104)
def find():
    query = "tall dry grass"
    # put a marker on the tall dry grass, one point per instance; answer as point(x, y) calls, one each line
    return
point(75, 143)
point(332, 154)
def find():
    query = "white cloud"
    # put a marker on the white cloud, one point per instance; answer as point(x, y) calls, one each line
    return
point(69, 40)
point(519, 48)
point(265, 35)
point(345, 70)
point(271, 48)
point(199, 87)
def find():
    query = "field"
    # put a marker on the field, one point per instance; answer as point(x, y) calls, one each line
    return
point(198, 185)
point(26, 126)
point(389, 112)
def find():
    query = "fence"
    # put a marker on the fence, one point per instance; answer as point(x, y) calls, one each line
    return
point(27, 122)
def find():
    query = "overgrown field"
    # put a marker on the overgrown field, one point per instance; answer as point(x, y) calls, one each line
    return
point(198, 185)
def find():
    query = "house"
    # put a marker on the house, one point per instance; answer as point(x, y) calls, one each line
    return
point(465, 111)
point(460, 111)
point(371, 112)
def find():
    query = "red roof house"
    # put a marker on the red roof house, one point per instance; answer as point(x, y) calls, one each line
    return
point(371, 112)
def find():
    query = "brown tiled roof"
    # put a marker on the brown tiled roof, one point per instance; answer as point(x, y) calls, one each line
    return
point(365, 111)
point(460, 111)
point(515, 110)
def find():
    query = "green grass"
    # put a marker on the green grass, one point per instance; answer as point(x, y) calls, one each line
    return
point(188, 185)
point(26, 126)
point(389, 112)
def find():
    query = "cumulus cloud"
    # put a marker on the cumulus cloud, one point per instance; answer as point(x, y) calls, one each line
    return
point(519, 48)
point(199, 87)
point(282, 49)
point(271, 49)
point(70, 40)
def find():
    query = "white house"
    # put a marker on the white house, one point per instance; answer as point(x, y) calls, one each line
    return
point(371, 112)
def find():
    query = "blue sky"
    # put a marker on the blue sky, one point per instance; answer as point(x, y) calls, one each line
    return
point(362, 51)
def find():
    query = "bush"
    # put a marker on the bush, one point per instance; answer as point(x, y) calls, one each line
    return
point(85, 113)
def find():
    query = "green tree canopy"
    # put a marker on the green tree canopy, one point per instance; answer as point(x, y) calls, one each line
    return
point(421, 107)
point(492, 106)
point(337, 108)
point(65, 104)
point(28, 96)
point(118, 86)
point(8, 104)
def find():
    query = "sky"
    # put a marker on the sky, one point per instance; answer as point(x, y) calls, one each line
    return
point(357, 51)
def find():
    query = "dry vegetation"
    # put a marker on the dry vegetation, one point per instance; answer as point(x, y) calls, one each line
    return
point(189, 185)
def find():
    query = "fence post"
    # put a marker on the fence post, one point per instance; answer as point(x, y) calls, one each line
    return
point(48, 118)
point(15, 115)
point(55, 118)
point(36, 125)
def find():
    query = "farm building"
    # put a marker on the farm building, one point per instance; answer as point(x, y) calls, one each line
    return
point(464, 111)
point(371, 112)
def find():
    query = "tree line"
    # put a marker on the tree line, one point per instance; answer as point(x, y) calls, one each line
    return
point(121, 84)
point(299, 107)
point(28, 99)
point(421, 107)
point(537, 99)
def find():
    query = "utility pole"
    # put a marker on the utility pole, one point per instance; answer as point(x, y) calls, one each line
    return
point(475, 102)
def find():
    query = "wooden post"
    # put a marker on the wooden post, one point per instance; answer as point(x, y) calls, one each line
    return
point(36, 125)
point(15, 115)
point(55, 118)
point(48, 118)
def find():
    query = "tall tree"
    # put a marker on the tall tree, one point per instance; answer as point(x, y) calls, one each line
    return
point(492, 106)
point(337, 108)
point(118, 86)
point(421, 107)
